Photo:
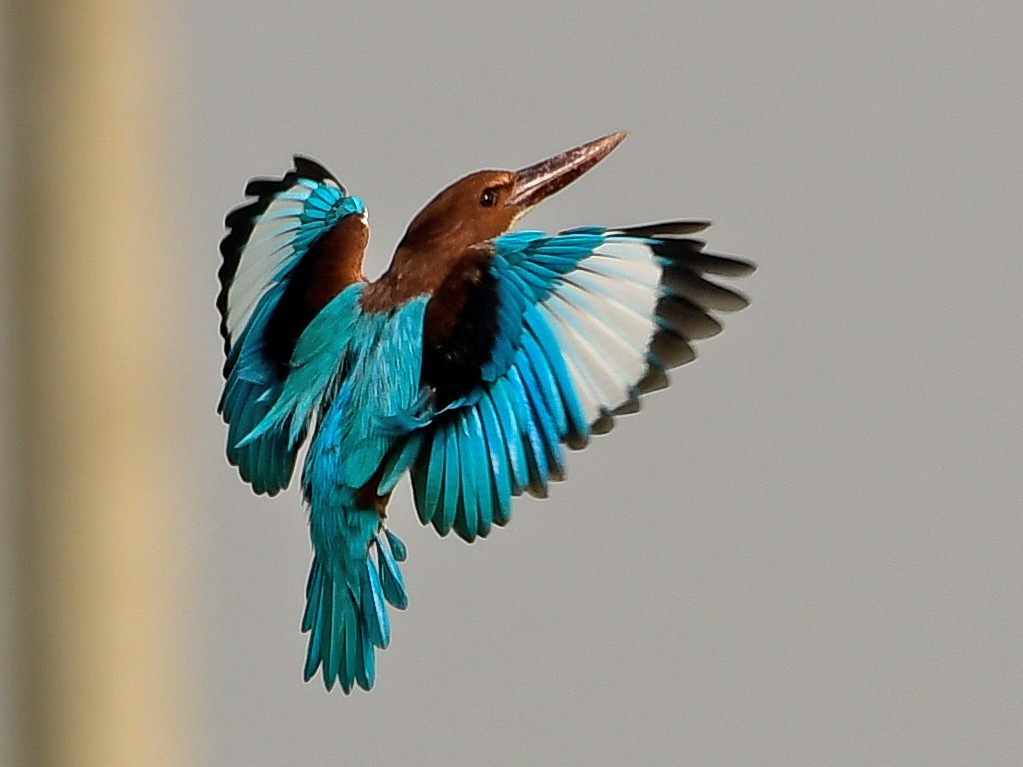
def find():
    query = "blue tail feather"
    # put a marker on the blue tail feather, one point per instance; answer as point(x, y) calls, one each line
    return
point(391, 579)
point(331, 604)
point(374, 611)
point(397, 547)
point(347, 620)
point(365, 670)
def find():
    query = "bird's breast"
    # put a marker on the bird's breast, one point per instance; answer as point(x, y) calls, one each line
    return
point(460, 329)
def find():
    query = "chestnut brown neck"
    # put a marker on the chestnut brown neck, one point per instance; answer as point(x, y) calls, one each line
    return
point(469, 212)
point(414, 271)
point(332, 264)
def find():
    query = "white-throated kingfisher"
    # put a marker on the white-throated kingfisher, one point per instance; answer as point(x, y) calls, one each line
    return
point(468, 363)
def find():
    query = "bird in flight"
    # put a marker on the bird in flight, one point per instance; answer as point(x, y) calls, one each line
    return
point(467, 364)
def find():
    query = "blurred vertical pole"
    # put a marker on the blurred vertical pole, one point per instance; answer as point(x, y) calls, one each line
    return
point(101, 561)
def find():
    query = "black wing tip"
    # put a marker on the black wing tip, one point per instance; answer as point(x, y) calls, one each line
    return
point(303, 166)
point(688, 320)
point(307, 167)
point(654, 379)
point(742, 267)
point(663, 228)
point(688, 253)
point(709, 295)
point(674, 243)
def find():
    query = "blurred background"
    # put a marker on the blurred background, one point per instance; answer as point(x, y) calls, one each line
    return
point(807, 552)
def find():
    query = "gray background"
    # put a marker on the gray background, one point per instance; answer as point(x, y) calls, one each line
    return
point(808, 551)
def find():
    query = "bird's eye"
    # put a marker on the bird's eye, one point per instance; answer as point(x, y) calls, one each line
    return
point(488, 198)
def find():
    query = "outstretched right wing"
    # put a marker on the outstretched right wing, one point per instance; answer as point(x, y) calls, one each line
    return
point(588, 320)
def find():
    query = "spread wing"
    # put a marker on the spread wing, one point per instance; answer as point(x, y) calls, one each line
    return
point(586, 322)
point(286, 254)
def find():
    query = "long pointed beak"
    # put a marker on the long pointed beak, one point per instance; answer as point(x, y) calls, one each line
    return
point(539, 181)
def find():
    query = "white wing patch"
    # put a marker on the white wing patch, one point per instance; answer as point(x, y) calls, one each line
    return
point(268, 252)
point(603, 316)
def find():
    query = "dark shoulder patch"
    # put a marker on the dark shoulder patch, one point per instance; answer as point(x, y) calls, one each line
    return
point(333, 262)
point(460, 328)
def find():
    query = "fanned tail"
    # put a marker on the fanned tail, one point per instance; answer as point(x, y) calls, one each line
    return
point(346, 616)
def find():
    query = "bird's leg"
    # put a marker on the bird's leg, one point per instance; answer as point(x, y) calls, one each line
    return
point(366, 497)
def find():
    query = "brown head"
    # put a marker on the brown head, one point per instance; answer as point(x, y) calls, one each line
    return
point(474, 209)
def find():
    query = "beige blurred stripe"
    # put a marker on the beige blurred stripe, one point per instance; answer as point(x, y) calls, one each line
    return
point(103, 555)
